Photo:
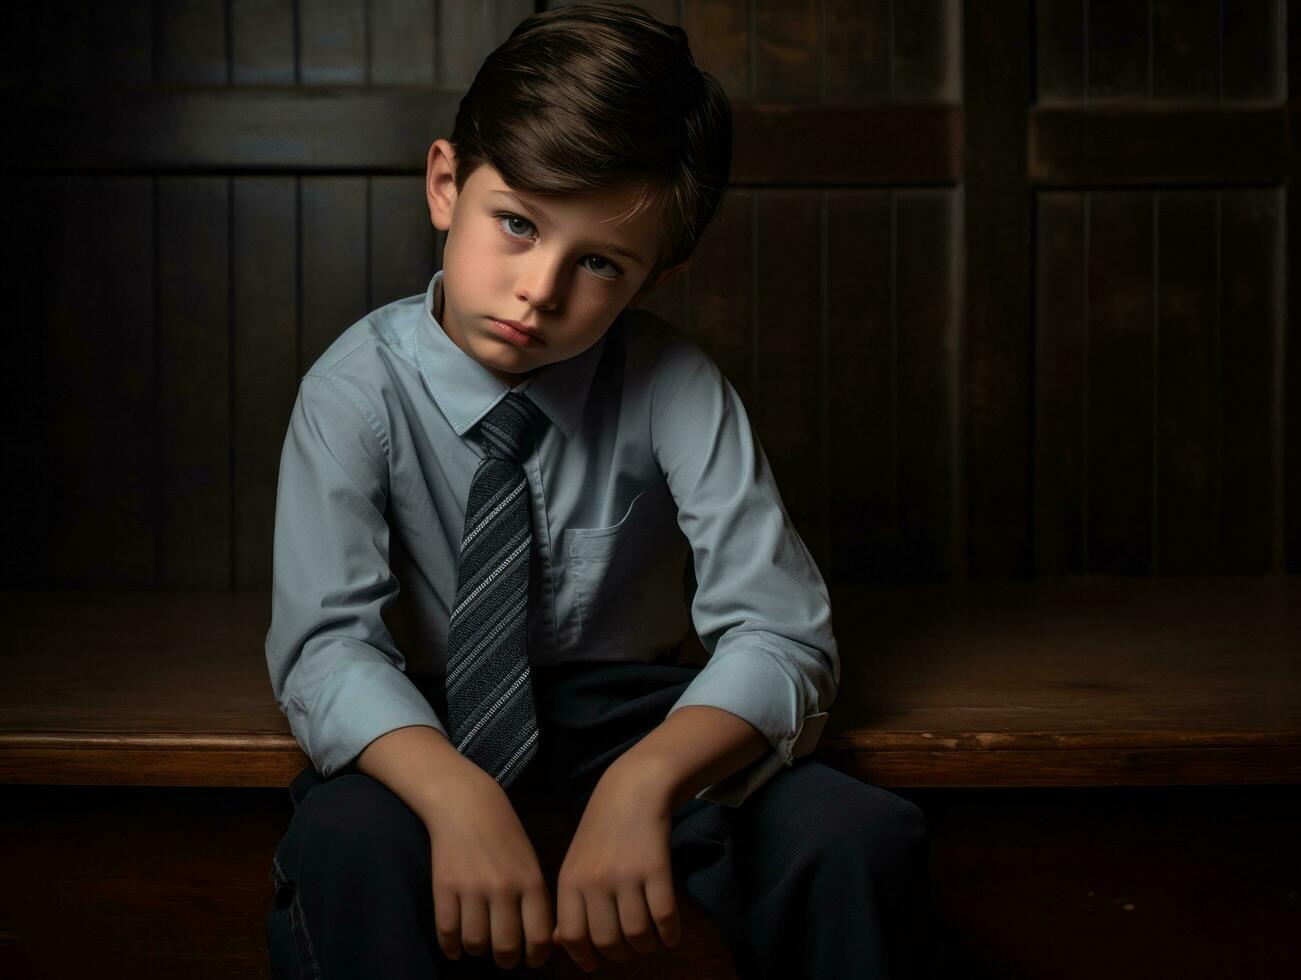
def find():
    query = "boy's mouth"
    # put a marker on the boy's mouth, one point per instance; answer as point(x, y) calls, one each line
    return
point(516, 333)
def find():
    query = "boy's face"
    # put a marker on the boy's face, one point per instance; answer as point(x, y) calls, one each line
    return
point(551, 263)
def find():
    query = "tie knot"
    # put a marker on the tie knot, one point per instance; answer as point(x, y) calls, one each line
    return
point(508, 428)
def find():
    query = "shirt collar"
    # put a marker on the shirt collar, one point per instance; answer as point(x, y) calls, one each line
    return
point(465, 390)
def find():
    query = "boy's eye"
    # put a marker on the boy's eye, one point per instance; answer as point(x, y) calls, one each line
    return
point(505, 218)
point(508, 217)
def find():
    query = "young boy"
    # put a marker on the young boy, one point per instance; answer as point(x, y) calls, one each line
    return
point(550, 481)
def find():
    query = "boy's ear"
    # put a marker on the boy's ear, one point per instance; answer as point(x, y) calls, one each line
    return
point(440, 183)
point(650, 286)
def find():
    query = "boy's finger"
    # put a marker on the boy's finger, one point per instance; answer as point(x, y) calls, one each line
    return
point(447, 921)
point(635, 920)
point(603, 923)
point(539, 933)
point(663, 905)
point(572, 929)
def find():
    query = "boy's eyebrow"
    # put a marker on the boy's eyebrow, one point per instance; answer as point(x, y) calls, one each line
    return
point(612, 246)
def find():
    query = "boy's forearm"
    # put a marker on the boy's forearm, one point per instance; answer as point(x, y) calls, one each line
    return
point(417, 763)
point(694, 747)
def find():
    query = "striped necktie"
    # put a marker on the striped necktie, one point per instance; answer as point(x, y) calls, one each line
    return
point(489, 692)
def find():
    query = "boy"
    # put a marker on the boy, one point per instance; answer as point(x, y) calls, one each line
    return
point(549, 480)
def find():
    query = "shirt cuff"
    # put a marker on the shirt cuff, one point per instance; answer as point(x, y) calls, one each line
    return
point(357, 704)
point(754, 687)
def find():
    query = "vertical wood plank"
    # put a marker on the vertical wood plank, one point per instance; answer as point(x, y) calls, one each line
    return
point(332, 42)
point(101, 368)
point(857, 49)
point(1059, 50)
point(996, 476)
point(719, 33)
point(1119, 66)
point(401, 42)
point(927, 229)
point(262, 42)
point(402, 236)
point(192, 42)
point(1254, 55)
point(1120, 382)
point(1250, 410)
point(122, 41)
point(333, 252)
point(1060, 364)
point(719, 280)
point(788, 415)
point(1185, 392)
point(468, 31)
point(266, 377)
point(194, 383)
point(28, 399)
point(1185, 49)
point(927, 57)
point(787, 63)
point(64, 42)
point(861, 464)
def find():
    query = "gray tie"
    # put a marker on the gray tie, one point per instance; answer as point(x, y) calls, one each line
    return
point(489, 692)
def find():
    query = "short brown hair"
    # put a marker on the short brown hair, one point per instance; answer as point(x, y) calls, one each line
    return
point(592, 96)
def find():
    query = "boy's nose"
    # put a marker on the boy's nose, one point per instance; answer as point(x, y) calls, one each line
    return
point(540, 288)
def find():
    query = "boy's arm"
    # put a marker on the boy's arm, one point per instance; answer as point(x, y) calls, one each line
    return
point(693, 749)
point(761, 608)
point(334, 668)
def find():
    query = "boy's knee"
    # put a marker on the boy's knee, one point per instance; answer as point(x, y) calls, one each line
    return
point(858, 818)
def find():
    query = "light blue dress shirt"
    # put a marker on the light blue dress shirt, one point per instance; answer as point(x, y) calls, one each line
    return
point(649, 458)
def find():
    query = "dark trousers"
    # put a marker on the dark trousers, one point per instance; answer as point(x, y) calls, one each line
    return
point(816, 874)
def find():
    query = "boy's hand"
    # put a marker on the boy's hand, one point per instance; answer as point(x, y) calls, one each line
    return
point(615, 887)
point(488, 885)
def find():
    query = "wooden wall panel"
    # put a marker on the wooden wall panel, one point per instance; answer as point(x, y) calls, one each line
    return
point(719, 31)
point(789, 351)
point(403, 240)
point(721, 299)
point(927, 56)
point(262, 42)
point(785, 51)
point(191, 43)
point(1168, 372)
point(26, 450)
point(401, 42)
point(1160, 50)
point(334, 272)
point(1118, 384)
point(1187, 338)
point(98, 391)
point(928, 228)
point(332, 42)
point(194, 390)
point(861, 477)
point(467, 32)
point(265, 312)
point(1061, 356)
point(1251, 527)
point(1185, 49)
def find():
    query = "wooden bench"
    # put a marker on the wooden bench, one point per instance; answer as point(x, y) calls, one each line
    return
point(1110, 769)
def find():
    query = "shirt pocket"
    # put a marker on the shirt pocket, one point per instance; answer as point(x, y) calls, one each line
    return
point(604, 566)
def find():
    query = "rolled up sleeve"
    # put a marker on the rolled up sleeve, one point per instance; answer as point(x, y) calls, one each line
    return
point(335, 671)
point(761, 607)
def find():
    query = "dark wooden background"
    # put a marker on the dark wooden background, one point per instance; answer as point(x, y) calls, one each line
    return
point(1003, 284)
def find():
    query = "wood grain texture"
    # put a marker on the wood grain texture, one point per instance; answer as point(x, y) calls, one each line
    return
point(264, 295)
point(193, 386)
point(1133, 145)
point(1093, 682)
